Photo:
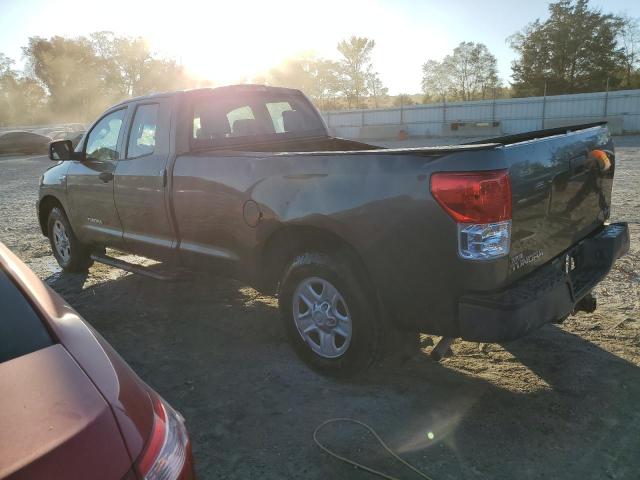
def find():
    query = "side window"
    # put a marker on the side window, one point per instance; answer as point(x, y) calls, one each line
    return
point(142, 137)
point(102, 143)
point(276, 109)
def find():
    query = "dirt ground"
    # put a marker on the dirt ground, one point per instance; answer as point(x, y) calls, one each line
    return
point(560, 403)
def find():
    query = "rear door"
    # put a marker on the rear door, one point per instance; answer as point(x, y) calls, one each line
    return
point(141, 180)
point(90, 181)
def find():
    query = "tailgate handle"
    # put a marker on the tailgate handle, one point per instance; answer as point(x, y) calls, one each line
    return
point(579, 163)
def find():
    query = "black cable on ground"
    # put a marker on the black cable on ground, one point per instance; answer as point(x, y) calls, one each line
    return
point(359, 465)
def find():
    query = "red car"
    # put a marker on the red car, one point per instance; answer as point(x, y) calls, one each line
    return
point(70, 407)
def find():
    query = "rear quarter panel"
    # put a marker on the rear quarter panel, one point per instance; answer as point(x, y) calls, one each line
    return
point(378, 203)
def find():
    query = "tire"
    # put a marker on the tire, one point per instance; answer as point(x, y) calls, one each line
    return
point(348, 322)
point(70, 254)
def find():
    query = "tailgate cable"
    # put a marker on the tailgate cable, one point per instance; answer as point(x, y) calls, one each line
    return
point(359, 465)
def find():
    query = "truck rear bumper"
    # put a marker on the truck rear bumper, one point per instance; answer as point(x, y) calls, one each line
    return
point(546, 295)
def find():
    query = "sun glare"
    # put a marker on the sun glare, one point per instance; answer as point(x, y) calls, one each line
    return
point(223, 42)
point(229, 42)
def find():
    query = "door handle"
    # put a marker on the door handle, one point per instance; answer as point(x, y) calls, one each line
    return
point(106, 177)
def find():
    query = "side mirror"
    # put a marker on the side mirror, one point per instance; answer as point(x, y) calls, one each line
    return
point(61, 150)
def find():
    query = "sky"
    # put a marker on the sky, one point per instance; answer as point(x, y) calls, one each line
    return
point(225, 41)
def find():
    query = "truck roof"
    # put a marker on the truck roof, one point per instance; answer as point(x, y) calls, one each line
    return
point(249, 87)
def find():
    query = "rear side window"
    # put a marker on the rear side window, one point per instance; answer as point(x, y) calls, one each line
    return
point(142, 137)
point(21, 330)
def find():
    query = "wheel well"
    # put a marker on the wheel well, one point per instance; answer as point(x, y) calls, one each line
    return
point(288, 242)
point(46, 205)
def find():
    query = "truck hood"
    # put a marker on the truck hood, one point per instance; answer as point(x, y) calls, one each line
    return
point(55, 423)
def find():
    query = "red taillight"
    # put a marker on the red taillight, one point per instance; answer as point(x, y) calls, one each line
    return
point(167, 454)
point(158, 434)
point(474, 197)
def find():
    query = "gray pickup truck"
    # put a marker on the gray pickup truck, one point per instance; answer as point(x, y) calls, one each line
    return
point(484, 241)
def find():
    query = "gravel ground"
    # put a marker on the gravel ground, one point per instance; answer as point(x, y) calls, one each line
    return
point(560, 403)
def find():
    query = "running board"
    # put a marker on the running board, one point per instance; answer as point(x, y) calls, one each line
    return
point(132, 268)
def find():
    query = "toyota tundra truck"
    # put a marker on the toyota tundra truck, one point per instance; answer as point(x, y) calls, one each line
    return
point(485, 241)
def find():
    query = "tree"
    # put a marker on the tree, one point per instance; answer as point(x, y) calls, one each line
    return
point(71, 73)
point(83, 76)
point(629, 39)
point(22, 99)
point(403, 100)
point(375, 87)
point(317, 77)
point(354, 65)
point(435, 80)
point(575, 50)
point(469, 73)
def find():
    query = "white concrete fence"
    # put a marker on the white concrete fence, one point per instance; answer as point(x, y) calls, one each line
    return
point(491, 117)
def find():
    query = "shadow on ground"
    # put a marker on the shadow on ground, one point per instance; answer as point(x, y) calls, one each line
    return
point(217, 352)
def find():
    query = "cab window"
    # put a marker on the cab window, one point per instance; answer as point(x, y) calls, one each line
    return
point(276, 110)
point(102, 143)
point(142, 137)
point(258, 116)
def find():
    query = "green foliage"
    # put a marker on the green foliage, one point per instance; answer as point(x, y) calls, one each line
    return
point(354, 65)
point(469, 73)
point(22, 99)
point(629, 40)
point(348, 83)
point(376, 88)
point(403, 100)
point(74, 79)
point(317, 77)
point(575, 50)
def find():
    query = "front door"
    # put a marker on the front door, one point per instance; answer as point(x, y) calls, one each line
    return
point(90, 183)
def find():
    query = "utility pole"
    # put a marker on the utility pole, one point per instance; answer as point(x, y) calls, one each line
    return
point(444, 109)
point(493, 107)
point(544, 104)
point(606, 100)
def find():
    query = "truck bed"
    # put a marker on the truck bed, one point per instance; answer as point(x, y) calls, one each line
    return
point(336, 145)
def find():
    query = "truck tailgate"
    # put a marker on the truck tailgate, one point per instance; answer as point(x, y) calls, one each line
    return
point(561, 187)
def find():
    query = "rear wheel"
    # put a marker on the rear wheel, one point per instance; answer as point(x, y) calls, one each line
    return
point(331, 321)
point(71, 255)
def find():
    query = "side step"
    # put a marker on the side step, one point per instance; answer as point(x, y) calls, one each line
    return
point(132, 268)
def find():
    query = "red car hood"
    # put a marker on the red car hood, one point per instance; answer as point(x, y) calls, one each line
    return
point(123, 390)
point(55, 423)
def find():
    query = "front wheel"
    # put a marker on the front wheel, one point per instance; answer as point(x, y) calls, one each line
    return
point(71, 255)
point(330, 317)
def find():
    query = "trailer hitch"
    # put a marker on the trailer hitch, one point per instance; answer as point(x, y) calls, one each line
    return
point(587, 304)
